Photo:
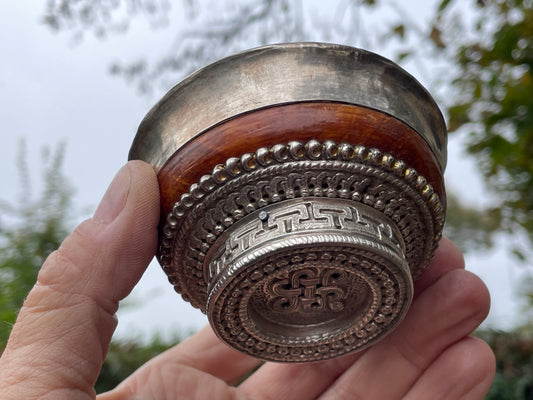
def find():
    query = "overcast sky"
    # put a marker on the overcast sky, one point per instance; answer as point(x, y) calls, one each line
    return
point(52, 91)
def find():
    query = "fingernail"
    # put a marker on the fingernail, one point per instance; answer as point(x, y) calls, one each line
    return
point(115, 197)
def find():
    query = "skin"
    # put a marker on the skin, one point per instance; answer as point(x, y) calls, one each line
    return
point(61, 336)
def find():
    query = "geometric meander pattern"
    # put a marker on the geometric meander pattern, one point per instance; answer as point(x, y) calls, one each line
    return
point(304, 216)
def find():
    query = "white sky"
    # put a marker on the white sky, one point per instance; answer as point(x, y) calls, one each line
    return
point(52, 91)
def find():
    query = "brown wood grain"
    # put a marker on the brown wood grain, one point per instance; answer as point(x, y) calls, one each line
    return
point(341, 123)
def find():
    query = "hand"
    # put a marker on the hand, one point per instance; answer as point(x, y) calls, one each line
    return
point(62, 333)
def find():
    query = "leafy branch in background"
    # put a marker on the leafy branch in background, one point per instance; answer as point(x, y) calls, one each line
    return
point(103, 17)
point(493, 102)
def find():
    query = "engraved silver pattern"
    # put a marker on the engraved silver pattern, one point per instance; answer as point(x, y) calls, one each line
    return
point(375, 300)
point(309, 290)
point(299, 216)
point(304, 299)
point(296, 170)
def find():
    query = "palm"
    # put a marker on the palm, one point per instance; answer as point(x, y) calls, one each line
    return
point(429, 356)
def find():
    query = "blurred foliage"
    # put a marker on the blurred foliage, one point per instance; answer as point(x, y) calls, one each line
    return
point(514, 364)
point(29, 231)
point(102, 17)
point(196, 43)
point(471, 228)
point(493, 102)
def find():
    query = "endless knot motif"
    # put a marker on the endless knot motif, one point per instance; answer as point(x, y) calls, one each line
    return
point(309, 291)
point(375, 296)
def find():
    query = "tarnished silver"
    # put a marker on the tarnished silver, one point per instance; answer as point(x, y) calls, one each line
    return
point(282, 74)
point(306, 201)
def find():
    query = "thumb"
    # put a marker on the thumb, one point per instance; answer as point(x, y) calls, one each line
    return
point(61, 335)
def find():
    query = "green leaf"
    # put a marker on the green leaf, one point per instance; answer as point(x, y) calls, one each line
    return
point(443, 6)
point(436, 37)
point(458, 116)
point(403, 55)
point(399, 30)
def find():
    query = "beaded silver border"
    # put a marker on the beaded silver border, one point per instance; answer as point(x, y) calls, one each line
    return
point(312, 156)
